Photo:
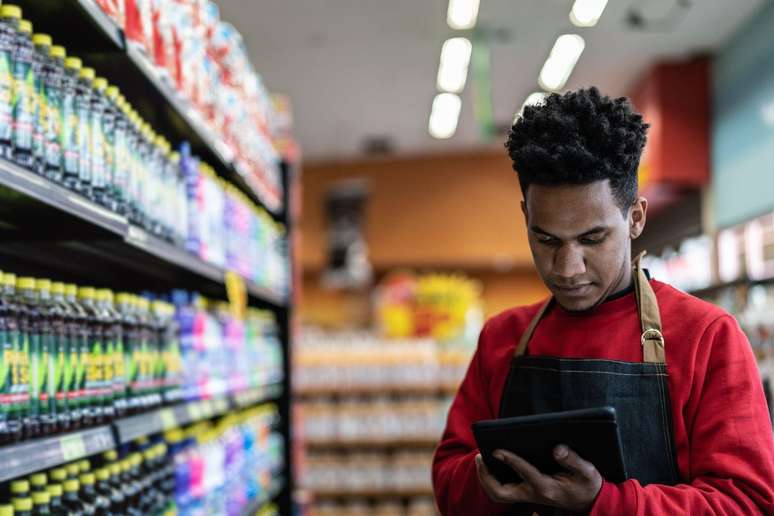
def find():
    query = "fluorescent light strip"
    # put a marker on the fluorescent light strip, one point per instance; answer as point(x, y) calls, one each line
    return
point(444, 115)
point(462, 14)
point(453, 70)
point(586, 13)
point(561, 61)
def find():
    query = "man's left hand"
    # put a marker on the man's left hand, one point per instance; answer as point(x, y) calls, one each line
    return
point(574, 489)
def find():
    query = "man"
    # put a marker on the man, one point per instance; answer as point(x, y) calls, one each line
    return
point(694, 423)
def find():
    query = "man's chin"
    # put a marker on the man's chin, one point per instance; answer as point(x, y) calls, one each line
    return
point(576, 304)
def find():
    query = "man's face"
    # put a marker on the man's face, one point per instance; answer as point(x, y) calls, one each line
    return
point(581, 241)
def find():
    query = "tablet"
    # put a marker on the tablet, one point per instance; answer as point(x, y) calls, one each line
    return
point(591, 433)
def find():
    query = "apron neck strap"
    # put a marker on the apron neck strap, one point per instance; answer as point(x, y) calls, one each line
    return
point(652, 339)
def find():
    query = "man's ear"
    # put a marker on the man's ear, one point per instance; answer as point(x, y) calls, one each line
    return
point(637, 217)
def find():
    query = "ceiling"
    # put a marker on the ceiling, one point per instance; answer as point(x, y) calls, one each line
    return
point(359, 69)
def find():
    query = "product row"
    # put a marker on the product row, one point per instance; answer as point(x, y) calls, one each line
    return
point(61, 121)
point(418, 506)
point(403, 471)
point(204, 469)
point(74, 356)
point(204, 59)
point(379, 420)
point(327, 361)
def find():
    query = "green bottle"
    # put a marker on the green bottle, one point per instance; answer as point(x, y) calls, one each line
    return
point(6, 368)
point(60, 357)
point(75, 363)
point(29, 343)
point(113, 348)
point(41, 58)
point(9, 25)
point(94, 364)
point(68, 136)
point(130, 334)
point(12, 351)
point(46, 362)
point(24, 98)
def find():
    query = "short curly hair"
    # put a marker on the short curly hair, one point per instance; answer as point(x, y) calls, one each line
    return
point(578, 138)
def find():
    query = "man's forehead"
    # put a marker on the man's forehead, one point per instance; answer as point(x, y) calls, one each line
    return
point(572, 209)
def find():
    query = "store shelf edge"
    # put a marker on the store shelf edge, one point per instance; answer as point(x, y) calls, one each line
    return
point(108, 27)
point(37, 454)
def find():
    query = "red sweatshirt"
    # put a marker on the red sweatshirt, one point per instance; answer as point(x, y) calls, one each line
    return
point(722, 428)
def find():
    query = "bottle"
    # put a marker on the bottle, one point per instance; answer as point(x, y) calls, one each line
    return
point(104, 492)
point(114, 136)
point(84, 466)
point(24, 96)
point(146, 345)
point(129, 487)
point(46, 359)
point(22, 506)
point(38, 482)
point(9, 25)
point(6, 368)
point(95, 354)
point(117, 500)
point(56, 506)
point(29, 330)
point(41, 503)
point(78, 333)
point(68, 137)
point(97, 148)
point(109, 338)
point(122, 157)
point(132, 177)
point(115, 342)
point(53, 78)
point(141, 500)
point(71, 501)
point(73, 470)
point(60, 369)
point(42, 45)
point(14, 350)
point(83, 94)
point(89, 496)
point(130, 333)
point(20, 489)
point(147, 182)
point(6, 509)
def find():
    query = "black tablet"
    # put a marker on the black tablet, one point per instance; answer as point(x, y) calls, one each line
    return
point(591, 433)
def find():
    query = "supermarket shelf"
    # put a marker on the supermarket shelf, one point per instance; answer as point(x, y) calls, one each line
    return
point(133, 427)
point(416, 442)
point(37, 454)
point(263, 499)
point(372, 493)
point(377, 390)
point(722, 286)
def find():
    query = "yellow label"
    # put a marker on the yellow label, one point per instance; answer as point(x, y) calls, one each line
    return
point(237, 294)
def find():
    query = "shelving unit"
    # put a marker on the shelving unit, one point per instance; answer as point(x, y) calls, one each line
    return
point(377, 390)
point(372, 494)
point(369, 444)
point(49, 230)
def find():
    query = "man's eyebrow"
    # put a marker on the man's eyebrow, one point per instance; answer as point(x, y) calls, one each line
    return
point(592, 231)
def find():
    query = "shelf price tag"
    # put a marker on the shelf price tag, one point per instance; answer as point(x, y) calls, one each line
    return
point(168, 419)
point(72, 447)
point(237, 294)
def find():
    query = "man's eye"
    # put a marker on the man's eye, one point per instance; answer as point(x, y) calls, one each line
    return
point(547, 240)
point(592, 241)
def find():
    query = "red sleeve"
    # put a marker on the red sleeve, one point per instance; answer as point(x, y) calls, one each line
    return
point(731, 465)
point(455, 482)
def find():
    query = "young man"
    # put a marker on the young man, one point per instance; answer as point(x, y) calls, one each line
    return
point(680, 373)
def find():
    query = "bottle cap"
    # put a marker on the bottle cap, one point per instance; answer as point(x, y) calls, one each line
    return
point(110, 455)
point(41, 498)
point(104, 294)
point(43, 284)
point(25, 26)
point(86, 293)
point(38, 479)
point(20, 486)
point(11, 11)
point(100, 83)
point(112, 92)
point(135, 459)
point(74, 63)
point(87, 73)
point(71, 289)
point(84, 465)
point(25, 283)
point(115, 469)
point(42, 39)
point(72, 470)
point(6, 510)
point(58, 51)
point(71, 485)
point(9, 279)
point(143, 303)
point(88, 479)
point(103, 474)
point(22, 504)
point(57, 288)
point(54, 489)
point(58, 474)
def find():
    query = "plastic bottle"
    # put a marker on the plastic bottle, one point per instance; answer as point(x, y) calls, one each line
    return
point(6, 509)
point(113, 137)
point(38, 482)
point(45, 358)
point(41, 504)
point(6, 367)
point(144, 351)
point(70, 126)
point(110, 334)
point(75, 365)
point(42, 45)
point(83, 106)
point(97, 147)
point(104, 492)
point(89, 496)
point(132, 176)
point(71, 501)
point(56, 507)
point(17, 368)
point(22, 506)
point(116, 343)
point(121, 163)
point(129, 487)
point(93, 358)
point(53, 77)
point(73, 470)
point(20, 489)
point(130, 333)
point(57, 475)
point(9, 25)
point(60, 356)
point(117, 500)
point(24, 96)
point(29, 330)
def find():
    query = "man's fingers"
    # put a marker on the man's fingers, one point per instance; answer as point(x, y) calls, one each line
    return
point(526, 470)
point(502, 493)
point(573, 462)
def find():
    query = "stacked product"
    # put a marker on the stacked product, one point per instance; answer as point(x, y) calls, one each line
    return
point(205, 60)
point(205, 469)
point(58, 119)
point(73, 357)
point(417, 507)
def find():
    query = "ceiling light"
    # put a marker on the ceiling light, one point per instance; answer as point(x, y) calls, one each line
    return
point(444, 115)
point(561, 61)
point(453, 70)
point(586, 13)
point(462, 14)
point(533, 99)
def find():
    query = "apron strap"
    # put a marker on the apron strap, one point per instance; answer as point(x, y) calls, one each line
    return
point(652, 339)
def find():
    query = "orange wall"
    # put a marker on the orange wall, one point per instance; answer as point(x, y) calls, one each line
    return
point(458, 211)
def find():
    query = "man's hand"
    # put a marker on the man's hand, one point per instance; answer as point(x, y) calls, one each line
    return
point(574, 490)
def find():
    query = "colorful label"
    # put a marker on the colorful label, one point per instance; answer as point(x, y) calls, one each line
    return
point(47, 367)
point(58, 372)
point(95, 371)
point(84, 396)
point(19, 374)
point(23, 106)
point(119, 378)
point(36, 370)
point(107, 372)
point(6, 379)
point(97, 152)
point(83, 136)
point(69, 135)
point(52, 127)
point(39, 117)
point(6, 97)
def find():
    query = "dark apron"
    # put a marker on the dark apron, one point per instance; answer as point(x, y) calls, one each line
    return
point(639, 391)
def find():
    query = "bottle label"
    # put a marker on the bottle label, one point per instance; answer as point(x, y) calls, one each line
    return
point(52, 127)
point(83, 395)
point(19, 373)
point(107, 372)
point(47, 364)
point(36, 368)
point(119, 378)
point(95, 371)
point(40, 116)
point(6, 378)
point(69, 135)
point(84, 141)
point(23, 105)
point(58, 372)
point(6, 97)
point(97, 152)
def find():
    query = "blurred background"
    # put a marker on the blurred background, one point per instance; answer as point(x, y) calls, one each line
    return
point(339, 166)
